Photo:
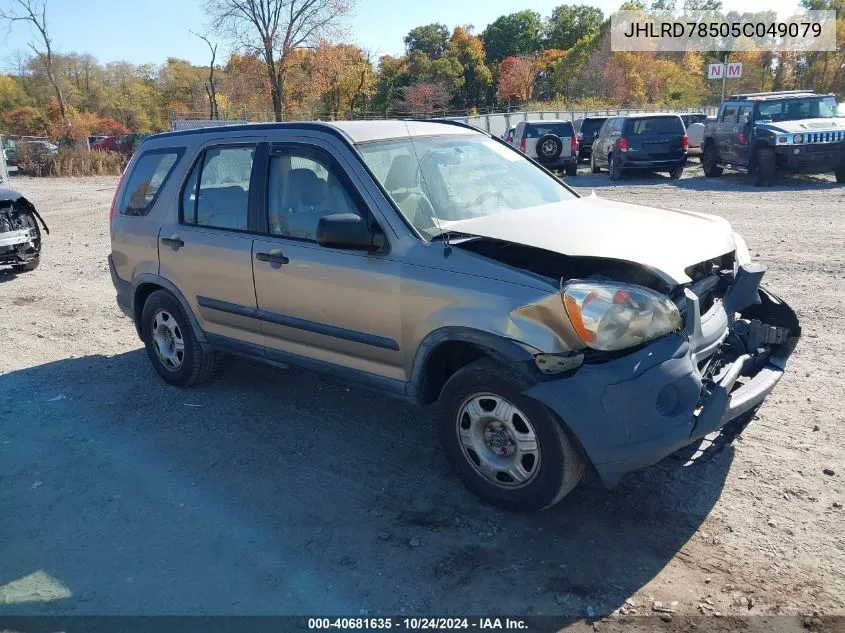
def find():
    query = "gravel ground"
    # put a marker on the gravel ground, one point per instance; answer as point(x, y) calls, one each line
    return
point(273, 491)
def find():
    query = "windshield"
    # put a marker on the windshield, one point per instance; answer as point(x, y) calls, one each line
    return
point(435, 180)
point(796, 109)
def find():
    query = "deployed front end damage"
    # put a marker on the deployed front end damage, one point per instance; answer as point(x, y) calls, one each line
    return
point(20, 234)
point(633, 407)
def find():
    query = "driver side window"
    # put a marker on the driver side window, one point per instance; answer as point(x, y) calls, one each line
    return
point(303, 186)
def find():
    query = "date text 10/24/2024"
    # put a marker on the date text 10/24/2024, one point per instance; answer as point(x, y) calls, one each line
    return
point(418, 624)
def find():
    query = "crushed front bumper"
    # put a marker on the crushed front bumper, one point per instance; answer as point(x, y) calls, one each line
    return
point(633, 411)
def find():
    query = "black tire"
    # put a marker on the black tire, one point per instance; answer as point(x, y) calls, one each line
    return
point(710, 160)
point(549, 147)
point(197, 365)
point(676, 173)
point(614, 167)
point(572, 170)
point(560, 467)
point(593, 167)
point(840, 174)
point(765, 167)
point(28, 267)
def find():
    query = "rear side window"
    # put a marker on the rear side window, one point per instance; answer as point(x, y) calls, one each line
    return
point(657, 125)
point(149, 173)
point(536, 130)
point(216, 194)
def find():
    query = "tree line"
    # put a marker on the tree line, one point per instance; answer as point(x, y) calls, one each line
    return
point(292, 61)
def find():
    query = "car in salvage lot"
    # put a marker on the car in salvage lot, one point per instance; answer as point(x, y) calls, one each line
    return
point(766, 133)
point(640, 142)
point(434, 262)
point(553, 144)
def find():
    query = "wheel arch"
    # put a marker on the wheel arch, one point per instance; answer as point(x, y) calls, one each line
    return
point(146, 284)
point(446, 350)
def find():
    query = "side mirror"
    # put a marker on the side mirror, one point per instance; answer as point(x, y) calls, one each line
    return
point(595, 135)
point(348, 231)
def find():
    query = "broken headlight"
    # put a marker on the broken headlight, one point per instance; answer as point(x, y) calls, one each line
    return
point(609, 316)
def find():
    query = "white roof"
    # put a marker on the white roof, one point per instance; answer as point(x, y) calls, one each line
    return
point(363, 131)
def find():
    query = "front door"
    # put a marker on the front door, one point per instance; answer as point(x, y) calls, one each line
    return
point(335, 306)
point(207, 250)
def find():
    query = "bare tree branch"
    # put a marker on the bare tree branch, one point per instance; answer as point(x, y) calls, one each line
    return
point(277, 28)
point(210, 87)
point(34, 12)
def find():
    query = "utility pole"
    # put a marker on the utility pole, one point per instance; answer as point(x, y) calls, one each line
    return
point(724, 76)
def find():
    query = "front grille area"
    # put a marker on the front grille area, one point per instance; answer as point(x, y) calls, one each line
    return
point(834, 136)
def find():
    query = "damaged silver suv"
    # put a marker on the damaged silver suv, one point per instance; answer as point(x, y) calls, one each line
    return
point(435, 262)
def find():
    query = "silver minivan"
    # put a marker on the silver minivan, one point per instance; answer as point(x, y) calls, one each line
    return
point(434, 262)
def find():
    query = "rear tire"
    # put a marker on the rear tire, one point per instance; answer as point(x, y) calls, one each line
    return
point(171, 344)
point(593, 167)
point(571, 170)
point(840, 174)
point(489, 429)
point(765, 167)
point(710, 161)
point(614, 168)
point(676, 173)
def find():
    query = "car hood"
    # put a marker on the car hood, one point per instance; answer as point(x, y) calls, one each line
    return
point(666, 241)
point(808, 125)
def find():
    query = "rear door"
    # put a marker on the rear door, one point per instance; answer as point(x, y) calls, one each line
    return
point(655, 138)
point(742, 133)
point(206, 248)
point(726, 130)
point(562, 129)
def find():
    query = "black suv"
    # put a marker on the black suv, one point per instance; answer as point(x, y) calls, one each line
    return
point(585, 130)
point(650, 142)
point(767, 132)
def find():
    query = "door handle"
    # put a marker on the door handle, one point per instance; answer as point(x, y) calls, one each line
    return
point(272, 258)
point(175, 242)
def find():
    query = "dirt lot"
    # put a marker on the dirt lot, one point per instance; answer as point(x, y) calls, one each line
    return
point(272, 491)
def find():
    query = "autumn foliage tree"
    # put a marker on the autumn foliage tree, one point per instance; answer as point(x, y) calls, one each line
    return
point(517, 76)
point(424, 98)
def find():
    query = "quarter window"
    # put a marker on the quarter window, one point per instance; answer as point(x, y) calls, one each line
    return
point(217, 192)
point(148, 176)
point(303, 186)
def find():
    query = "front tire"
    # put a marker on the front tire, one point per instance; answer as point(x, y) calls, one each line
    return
point(676, 173)
point(508, 449)
point(765, 167)
point(171, 344)
point(593, 167)
point(840, 174)
point(571, 170)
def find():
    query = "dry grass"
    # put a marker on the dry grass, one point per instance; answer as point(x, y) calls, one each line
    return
point(70, 162)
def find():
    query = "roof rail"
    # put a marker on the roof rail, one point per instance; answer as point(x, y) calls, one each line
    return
point(451, 122)
point(772, 94)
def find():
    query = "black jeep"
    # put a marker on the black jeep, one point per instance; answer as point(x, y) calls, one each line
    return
point(767, 132)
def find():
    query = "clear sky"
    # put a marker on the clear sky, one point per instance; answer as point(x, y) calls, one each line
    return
point(150, 31)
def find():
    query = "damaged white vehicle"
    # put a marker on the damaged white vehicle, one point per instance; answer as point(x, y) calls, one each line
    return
point(20, 235)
